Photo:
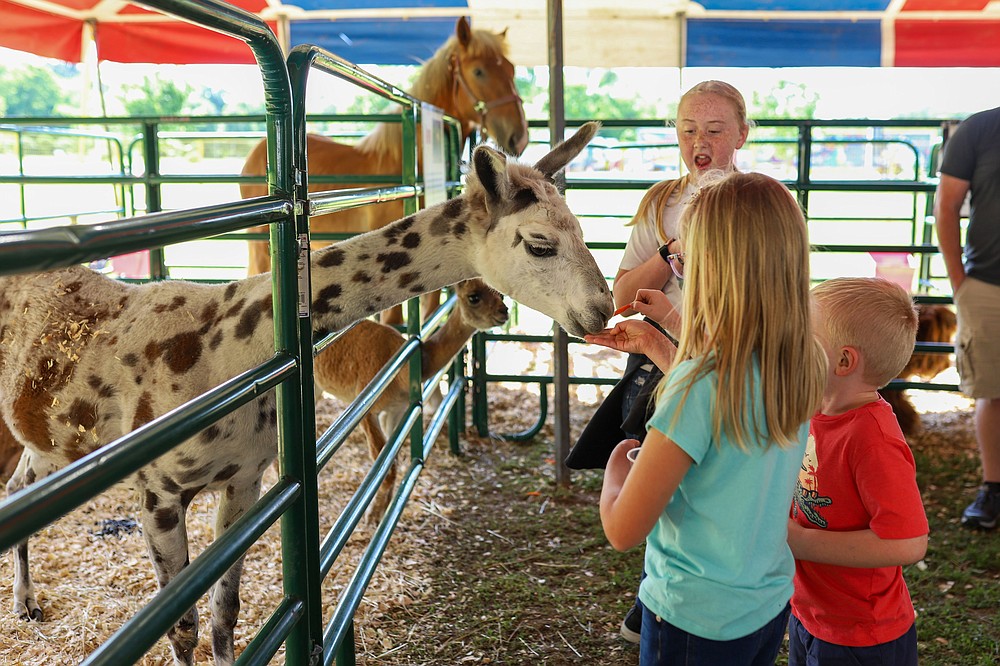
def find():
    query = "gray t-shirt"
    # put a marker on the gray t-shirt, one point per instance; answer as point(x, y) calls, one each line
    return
point(973, 154)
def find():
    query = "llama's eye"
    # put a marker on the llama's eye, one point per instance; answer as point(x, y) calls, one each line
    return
point(474, 299)
point(478, 72)
point(541, 250)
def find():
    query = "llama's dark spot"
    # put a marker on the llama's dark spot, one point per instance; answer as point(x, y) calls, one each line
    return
point(230, 291)
point(454, 208)
point(182, 351)
point(143, 411)
point(407, 278)
point(324, 300)
point(216, 340)
point(187, 461)
point(169, 485)
point(234, 309)
point(166, 519)
point(251, 317)
point(392, 261)
point(129, 360)
point(440, 226)
point(150, 500)
point(189, 494)
point(361, 277)
point(175, 303)
point(226, 473)
point(192, 475)
point(331, 257)
point(208, 314)
point(411, 240)
point(81, 414)
point(210, 434)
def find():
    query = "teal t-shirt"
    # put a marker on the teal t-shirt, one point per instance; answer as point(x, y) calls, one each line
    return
point(717, 561)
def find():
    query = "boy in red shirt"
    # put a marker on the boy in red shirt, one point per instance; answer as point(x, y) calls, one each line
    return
point(857, 516)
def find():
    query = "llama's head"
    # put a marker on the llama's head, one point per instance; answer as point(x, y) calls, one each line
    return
point(550, 268)
point(480, 305)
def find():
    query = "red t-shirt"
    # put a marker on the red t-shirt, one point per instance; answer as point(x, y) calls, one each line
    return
point(858, 473)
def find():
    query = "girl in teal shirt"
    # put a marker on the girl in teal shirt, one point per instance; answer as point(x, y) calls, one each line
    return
point(710, 492)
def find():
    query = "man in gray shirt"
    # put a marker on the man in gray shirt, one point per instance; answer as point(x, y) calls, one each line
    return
point(971, 164)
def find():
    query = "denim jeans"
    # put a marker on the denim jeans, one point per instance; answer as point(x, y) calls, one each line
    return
point(804, 649)
point(663, 644)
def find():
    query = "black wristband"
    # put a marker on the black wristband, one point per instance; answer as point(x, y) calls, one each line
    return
point(665, 250)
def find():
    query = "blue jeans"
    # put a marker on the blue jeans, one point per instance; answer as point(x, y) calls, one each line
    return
point(804, 649)
point(663, 644)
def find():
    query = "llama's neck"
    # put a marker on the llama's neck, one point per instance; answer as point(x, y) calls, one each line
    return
point(443, 344)
point(371, 272)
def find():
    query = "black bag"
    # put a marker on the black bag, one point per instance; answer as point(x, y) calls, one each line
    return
point(606, 428)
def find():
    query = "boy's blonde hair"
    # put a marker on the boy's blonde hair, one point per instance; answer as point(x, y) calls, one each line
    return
point(658, 196)
point(875, 316)
point(746, 300)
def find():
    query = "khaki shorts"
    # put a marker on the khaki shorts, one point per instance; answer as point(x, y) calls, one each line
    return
point(977, 342)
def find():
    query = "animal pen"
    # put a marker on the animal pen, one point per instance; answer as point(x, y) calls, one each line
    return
point(298, 620)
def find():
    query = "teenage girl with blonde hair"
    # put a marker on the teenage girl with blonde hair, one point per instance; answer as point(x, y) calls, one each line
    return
point(710, 491)
point(711, 126)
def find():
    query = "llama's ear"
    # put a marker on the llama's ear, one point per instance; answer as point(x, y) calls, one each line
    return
point(561, 155)
point(491, 169)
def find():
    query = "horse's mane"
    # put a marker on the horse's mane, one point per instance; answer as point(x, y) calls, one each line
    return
point(433, 80)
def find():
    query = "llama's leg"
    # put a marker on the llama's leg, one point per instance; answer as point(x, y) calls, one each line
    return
point(376, 437)
point(26, 605)
point(225, 596)
point(163, 526)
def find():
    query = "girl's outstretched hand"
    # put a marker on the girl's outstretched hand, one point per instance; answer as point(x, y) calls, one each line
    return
point(635, 336)
point(631, 335)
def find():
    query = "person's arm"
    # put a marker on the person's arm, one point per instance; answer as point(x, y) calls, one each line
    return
point(948, 201)
point(859, 548)
point(653, 273)
point(637, 337)
point(635, 494)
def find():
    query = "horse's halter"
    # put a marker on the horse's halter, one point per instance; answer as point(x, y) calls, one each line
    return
point(481, 107)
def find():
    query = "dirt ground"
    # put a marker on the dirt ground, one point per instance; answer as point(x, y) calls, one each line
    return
point(492, 562)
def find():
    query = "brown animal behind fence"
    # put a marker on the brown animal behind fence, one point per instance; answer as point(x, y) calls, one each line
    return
point(937, 323)
point(469, 78)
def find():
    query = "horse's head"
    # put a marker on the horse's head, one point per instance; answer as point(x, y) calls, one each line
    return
point(484, 91)
point(534, 249)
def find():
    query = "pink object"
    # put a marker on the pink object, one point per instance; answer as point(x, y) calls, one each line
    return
point(898, 267)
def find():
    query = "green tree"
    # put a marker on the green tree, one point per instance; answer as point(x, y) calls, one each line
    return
point(157, 96)
point(30, 91)
point(593, 100)
point(786, 100)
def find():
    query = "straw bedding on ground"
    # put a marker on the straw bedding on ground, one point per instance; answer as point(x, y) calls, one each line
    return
point(92, 571)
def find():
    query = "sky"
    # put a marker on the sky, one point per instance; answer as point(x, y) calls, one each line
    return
point(842, 92)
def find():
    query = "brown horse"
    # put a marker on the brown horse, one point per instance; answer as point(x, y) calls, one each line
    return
point(469, 77)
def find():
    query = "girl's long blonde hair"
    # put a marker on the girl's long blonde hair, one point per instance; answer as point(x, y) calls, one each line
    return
point(746, 299)
point(658, 196)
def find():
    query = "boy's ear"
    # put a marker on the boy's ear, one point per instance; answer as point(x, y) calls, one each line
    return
point(848, 360)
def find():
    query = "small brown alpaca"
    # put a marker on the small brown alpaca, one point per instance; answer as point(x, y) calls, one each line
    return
point(346, 367)
point(936, 323)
